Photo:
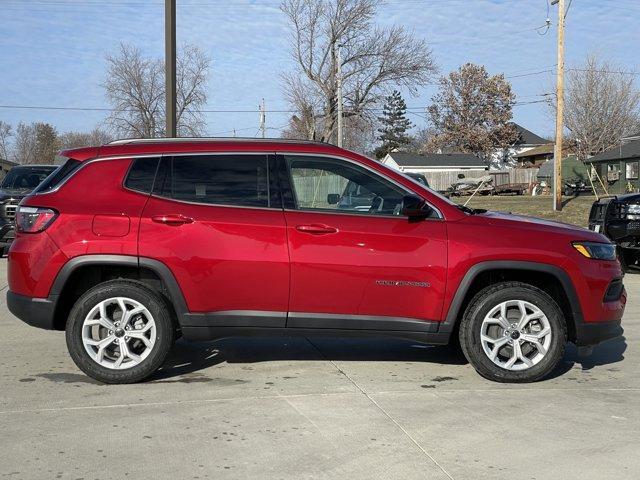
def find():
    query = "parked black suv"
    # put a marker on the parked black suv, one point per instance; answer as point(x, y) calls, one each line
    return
point(618, 217)
point(18, 183)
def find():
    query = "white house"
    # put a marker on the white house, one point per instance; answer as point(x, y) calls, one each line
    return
point(526, 140)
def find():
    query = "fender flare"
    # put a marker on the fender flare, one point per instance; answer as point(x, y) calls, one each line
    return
point(159, 268)
point(448, 325)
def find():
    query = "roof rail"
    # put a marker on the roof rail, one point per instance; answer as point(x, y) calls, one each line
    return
point(128, 141)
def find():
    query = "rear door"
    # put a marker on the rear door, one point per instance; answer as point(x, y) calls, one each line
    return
point(357, 266)
point(217, 222)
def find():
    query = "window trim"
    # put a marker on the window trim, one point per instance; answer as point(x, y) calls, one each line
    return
point(269, 156)
point(295, 208)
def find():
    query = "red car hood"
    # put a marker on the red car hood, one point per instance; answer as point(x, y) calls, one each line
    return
point(538, 224)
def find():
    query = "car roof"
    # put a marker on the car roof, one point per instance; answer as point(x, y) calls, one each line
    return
point(151, 146)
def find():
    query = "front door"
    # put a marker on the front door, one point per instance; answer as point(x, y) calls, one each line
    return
point(356, 262)
point(217, 222)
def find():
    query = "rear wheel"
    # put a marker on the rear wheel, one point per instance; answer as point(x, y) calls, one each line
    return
point(119, 332)
point(513, 332)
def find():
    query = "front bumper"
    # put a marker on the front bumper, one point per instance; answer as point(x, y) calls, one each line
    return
point(37, 312)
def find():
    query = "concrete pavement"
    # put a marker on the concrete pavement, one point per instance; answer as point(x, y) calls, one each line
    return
point(292, 408)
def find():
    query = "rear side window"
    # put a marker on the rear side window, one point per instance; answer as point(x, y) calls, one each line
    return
point(141, 174)
point(239, 180)
point(58, 176)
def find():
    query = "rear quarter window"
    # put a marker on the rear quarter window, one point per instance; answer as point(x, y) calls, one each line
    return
point(141, 175)
point(58, 176)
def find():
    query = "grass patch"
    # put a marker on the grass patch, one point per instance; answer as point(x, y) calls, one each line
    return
point(575, 210)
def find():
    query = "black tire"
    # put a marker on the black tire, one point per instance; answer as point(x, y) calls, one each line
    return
point(155, 304)
point(481, 305)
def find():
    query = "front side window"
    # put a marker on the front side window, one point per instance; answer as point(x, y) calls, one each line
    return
point(328, 184)
point(238, 180)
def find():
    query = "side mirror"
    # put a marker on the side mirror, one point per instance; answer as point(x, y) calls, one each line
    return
point(333, 198)
point(414, 207)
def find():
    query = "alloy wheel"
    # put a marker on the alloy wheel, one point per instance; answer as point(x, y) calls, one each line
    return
point(515, 335)
point(118, 333)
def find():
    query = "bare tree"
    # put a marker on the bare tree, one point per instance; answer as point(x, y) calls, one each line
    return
point(135, 88)
point(36, 143)
point(472, 112)
point(373, 60)
point(95, 138)
point(602, 105)
point(5, 140)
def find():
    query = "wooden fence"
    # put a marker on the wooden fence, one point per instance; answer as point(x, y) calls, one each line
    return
point(443, 180)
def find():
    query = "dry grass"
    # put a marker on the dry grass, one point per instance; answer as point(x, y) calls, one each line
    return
point(575, 211)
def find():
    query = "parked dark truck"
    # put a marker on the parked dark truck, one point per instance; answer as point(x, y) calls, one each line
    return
point(19, 182)
point(618, 217)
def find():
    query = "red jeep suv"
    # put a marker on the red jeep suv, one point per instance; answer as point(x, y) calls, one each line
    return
point(130, 245)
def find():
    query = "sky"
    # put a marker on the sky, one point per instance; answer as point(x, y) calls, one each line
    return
point(52, 52)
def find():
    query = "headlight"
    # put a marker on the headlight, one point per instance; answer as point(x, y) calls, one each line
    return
point(599, 251)
point(633, 212)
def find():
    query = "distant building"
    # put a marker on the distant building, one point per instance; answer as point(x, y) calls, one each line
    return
point(526, 140)
point(536, 156)
point(619, 166)
point(434, 162)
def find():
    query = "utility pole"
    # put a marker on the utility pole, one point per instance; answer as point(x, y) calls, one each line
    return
point(557, 150)
point(339, 85)
point(263, 118)
point(170, 67)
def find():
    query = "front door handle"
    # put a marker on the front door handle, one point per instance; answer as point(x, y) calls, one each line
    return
point(173, 220)
point(316, 229)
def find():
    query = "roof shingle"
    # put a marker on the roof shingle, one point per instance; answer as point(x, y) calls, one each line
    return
point(621, 152)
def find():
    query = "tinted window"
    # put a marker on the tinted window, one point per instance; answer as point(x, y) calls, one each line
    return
point(29, 178)
point(331, 184)
point(240, 180)
point(141, 174)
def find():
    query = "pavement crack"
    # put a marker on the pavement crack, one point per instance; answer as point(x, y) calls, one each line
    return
point(384, 412)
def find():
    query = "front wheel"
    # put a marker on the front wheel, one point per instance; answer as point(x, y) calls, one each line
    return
point(119, 331)
point(513, 332)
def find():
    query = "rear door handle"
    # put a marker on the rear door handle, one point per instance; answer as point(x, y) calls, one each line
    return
point(316, 229)
point(173, 220)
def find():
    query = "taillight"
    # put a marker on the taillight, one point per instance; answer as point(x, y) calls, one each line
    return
point(34, 219)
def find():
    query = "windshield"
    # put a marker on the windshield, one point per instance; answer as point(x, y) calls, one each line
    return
point(26, 178)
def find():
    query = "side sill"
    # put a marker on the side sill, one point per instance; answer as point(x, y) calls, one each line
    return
point(234, 318)
point(359, 322)
point(196, 334)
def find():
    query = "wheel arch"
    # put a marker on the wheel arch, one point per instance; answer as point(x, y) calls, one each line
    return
point(550, 278)
point(83, 272)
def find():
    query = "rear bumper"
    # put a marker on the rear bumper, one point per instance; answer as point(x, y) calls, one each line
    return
point(588, 334)
point(38, 312)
